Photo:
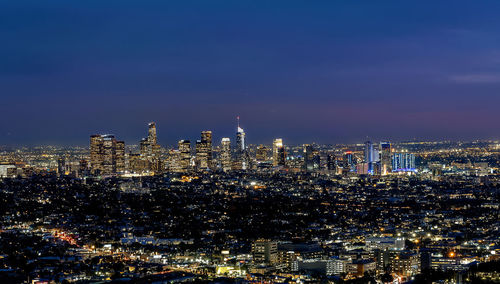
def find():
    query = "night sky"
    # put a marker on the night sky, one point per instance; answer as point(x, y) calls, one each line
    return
point(307, 71)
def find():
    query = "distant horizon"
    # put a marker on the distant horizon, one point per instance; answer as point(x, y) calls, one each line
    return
point(329, 71)
point(216, 141)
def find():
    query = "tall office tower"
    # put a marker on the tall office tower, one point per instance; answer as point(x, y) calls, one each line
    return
point(150, 151)
point(204, 151)
point(225, 154)
point(308, 157)
point(149, 147)
point(369, 156)
point(331, 164)
point(265, 251)
point(152, 133)
point(103, 156)
point(240, 138)
point(349, 161)
point(261, 153)
point(174, 163)
point(95, 153)
point(385, 158)
point(241, 155)
point(109, 154)
point(120, 156)
point(185, 155)
point(279, 154)
point(403, 162)
point(311, 158)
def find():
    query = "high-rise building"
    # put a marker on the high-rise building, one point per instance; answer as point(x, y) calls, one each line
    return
point(185, 155)
point(120, 156)
point(369, 155)
point(240, 138)
point(204, 151)
point(331, 164)
point(385, 158)
point(403, 162)
point(349, 161)
point(311, 158)
point(152, 133)
point(265, 251)
point(103, 154)
point(149, 147)
point(279, 154)
point(150, 151)
point(261, 153)
point(241, 155)
point(225, 154)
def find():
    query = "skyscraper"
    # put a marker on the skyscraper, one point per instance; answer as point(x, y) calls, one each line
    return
point(349, 161)
point(403, 162)
point(120, 156)
point(103, 154)
point(241, 155)
point(150, 151)
point(385, 158)
point(225, 154)
point(369, 156)
point(152, 133)
point(279, 154)
point(185, 155)
point(261, 153)
point(311, 158)
point(204, 151)
point(149, 147)
point(331, 164)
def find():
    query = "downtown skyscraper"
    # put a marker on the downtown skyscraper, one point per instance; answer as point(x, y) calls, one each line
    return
point(204, 151)
point(225, 154)
point(279, 154)
point(107, 155)
point(241, 155)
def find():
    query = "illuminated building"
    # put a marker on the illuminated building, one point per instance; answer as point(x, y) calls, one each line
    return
point(279, 154)
point(174, 163)
point(103, 154)
point(349, 161)
point(225, 154)
point(152, 133)
point(369, 156)
point(185, 155)
point(265, 251)
point(311, 158)
point(204, 151)
point(120, 156)
point(403, 162)
point(261, 153)
point(241, 155)
point(150, 150)
point(385, 158)
point(330, 163)
point(362, 169)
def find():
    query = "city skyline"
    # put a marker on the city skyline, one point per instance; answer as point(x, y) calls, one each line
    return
point(332, 71)
point(249, 141)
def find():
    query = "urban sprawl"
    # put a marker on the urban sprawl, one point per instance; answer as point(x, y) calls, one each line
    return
point(233, 212)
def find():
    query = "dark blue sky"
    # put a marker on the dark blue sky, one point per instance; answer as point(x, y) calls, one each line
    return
point(323, 71)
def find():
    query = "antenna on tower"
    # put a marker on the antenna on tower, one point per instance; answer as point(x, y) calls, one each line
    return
point(238, 119)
